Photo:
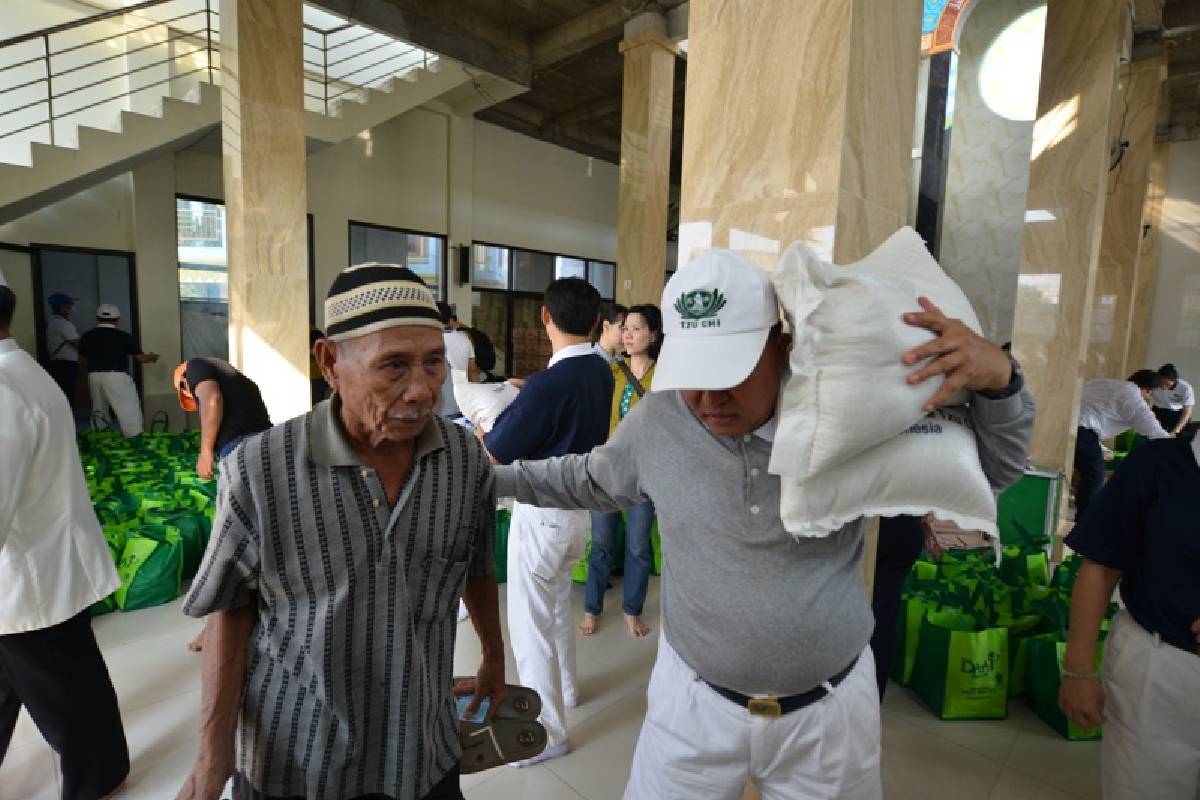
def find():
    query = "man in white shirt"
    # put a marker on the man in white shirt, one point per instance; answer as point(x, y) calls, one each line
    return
point(62, 344)
point(1174, 400)
point(1106, 408)
point(460, 355)
point(54, 564)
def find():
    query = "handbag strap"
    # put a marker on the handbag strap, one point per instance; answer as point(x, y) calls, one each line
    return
point(629, 376)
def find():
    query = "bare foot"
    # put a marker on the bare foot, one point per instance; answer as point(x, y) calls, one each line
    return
point(636, 629)
point(197, 644)
point(589, 625)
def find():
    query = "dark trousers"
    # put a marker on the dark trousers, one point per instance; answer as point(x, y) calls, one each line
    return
point(1089, 462)
point(64, 374)
point(58, 674)
point(447, 789)
point(1168, 418)
point(901, 540)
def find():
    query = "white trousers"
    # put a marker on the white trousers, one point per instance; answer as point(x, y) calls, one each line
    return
point(116, 390)
point(1151, 746)
point(542, 546)
point(697, 745)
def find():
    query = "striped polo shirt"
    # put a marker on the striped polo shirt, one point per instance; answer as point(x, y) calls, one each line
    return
point(349, 668)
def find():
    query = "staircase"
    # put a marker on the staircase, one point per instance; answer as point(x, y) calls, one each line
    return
point(116, 118)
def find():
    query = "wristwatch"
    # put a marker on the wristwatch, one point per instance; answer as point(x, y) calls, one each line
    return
point(1015, 384)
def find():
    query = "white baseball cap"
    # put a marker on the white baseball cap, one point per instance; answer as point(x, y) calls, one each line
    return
point(718, 311)
point(107, 311)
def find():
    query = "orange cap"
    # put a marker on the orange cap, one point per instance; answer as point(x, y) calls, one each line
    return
point(186, 399)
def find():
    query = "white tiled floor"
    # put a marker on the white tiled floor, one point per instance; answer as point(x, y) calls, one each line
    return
point(158, 683)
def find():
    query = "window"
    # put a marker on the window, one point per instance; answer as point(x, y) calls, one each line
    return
point(489, 266)
point(202, 250)
point(602, 275)
point(203, 278)
point(532, 271)
point(566, 267)
point(423, 253)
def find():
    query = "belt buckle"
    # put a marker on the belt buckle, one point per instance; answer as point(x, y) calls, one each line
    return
point(764, 707)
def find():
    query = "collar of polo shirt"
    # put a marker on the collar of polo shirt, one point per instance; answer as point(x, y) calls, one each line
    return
point(327, 443)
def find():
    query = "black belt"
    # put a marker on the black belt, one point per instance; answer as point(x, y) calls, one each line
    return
point(778, 706)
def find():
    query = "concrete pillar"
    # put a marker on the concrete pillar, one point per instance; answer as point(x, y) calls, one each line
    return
point(1133, 120)
point(1060, 248)
point(790, 130)
point(646, 106)
point(262, 127)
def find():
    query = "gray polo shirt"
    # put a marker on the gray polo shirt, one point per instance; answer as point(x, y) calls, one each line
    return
point(350, 666)
point(746, 605)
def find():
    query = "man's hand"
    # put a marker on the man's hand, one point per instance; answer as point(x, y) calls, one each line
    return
point(966, 359)
point(488, 682)
point(204, 465)
point(207, 779)
point(1082, 700)
point(517, 382)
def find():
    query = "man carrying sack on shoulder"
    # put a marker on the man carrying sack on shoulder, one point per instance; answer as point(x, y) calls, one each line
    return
point(763, 671)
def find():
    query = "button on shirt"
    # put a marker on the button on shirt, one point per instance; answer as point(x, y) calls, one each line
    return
point(1109, 407)
point(60, 332)
point(54, 561)
point(1175, 399)
point(350, 666)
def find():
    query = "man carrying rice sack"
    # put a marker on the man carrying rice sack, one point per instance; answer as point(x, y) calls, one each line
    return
point(763, 671)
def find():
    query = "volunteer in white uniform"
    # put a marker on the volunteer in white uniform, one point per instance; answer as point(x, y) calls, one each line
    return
point(460, 355)
point(562, 409)
point(1106, 408)
point(54, 564)
point(62, 343)
point(107, 350)
point(1174, 400)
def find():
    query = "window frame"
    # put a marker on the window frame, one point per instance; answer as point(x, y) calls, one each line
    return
point(443, 291)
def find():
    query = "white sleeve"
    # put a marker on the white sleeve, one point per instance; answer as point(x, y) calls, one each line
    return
point(1140, 417)
point(16, 442)
point(1189, 394)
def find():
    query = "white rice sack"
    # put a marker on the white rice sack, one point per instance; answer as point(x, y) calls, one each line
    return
point(481, 402)
point(932, 467)
point(847, 390)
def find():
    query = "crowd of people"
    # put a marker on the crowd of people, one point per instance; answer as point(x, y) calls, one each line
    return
point(346, 537)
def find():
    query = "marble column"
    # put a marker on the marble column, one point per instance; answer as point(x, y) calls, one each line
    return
point(646, 105)
point(1133, 119)
point(1060, 249)
point(262, 131)
point(1147, 263)
point(798, 126)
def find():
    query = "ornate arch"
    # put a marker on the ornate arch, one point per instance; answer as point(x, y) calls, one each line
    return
point(941, 24)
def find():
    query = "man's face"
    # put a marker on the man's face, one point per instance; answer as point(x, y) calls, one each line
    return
point(66, 308)
point(746, 407)
point(1167, 383)
point(1147, 394)
point(389, 381)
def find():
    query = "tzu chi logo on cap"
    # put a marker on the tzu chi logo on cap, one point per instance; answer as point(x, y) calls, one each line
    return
point(699, 308)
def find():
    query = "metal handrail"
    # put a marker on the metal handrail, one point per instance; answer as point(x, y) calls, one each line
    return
point(206, 39)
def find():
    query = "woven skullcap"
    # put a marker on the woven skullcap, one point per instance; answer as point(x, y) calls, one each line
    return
point(371, 297)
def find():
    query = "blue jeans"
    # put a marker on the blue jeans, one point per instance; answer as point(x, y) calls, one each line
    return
point(638, 557)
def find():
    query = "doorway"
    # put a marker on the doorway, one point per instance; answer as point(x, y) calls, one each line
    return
point(92, 277)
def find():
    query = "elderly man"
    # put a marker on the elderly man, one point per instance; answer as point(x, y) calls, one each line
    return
point(750, 611)
point(53, 566)
point(342, 542)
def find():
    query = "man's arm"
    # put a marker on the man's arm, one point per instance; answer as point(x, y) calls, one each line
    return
point(1003, 429)
point(481, 596)
point(1080, 696)
point(212, 411)
point(605, 479)
point(222, 682)
point(1142, 419)
point(1184, 419)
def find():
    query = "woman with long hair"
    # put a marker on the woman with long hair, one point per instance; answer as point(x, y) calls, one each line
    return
point(633, 374)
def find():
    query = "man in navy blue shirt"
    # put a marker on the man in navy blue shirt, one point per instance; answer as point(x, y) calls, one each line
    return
point(562, 410)
point(1141, 532)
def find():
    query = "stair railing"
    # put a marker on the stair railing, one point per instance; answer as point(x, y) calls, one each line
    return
point(52, 75)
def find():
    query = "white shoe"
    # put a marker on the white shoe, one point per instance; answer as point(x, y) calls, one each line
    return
point(547, 754)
